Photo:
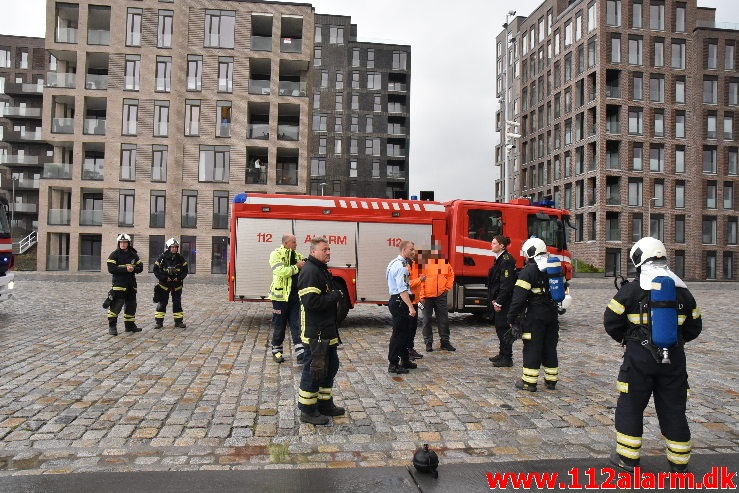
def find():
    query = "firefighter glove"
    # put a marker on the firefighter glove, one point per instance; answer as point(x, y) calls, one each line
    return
point(319, 359)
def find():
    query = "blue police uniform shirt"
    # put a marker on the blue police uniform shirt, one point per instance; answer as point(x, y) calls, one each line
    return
point(397, 276)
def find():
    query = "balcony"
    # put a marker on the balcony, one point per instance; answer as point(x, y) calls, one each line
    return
point(261, 43)
point(94, 126)
point(613, 198)
point(258, 131)
point(18, 159)
point(22, 136)
point(397, 87)
point(61, 171)
point(289, 88)
point(288, 132)
point(98, 37)
point(91, 217)
point(291, 45)
point(23, 207)
point(23, 88)
point(60, 79)
point(395, 175)
point(396, 108)
point(59, 217)
point(21, 112)
point(220, 221)
point(96, 81)
point(395, 129)
point(62, 125)
point(27, 183)
point(259, 86)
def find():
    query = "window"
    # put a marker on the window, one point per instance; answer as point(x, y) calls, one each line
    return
point(680, 229)
point(656, 16)
point(568, 35)
point(680, 195)
point(319, 122)
point(126, 199)
point(317, 34)
point(712, 58)
point(400, 60)
point(339, 102)
point(161, 118)
point(613, 12)
point(370, 58)
point(317, 54)
point(578, 29)
point(316, 100)
point(375, 169)
point(374, 81)
point(731, 158)
point(678, 55)
point(637, 225)
point(659, 193)
point(733, 93)
point(194, 72)
point(637, 92)
point(130, 114)
point(592, 17)
point(336, 35)
point(214, 164)
point(324, 79)
point(657, 89)
point(635, 51)
point(711, 195)
point(728, 265)
point(368, 124)
point(322, 145)
point(128, 162)
point(355, 57)
point(657, 226)
point(219, 29)
point(728, 195)
point(731, 230)
point(709, 159)
point(317, 167)
point(680, 124)
point(163, 76)
point(338, 124)
point(192, 117)
point(728, 126)
point(287, 173)
point(352, 169)
point(710, 91)
point(6, 60)
point(679, 159)
point(159, 163)
point(220, 209)
point(711, 126)
point(680, 18)
point(133, 27)
point(729, 57)
point(157, 208)
point(223, 119)
point(635, 121)
point(659, 52)
point(613, 232)
point(225, 74)
point(164, 32)
point(636, 15)
point(680, 90)
point(636, 161)
point(709, 230)
point(337, 146)
point(616, 49)
point(659, 123)
point(132, 75)
point(377, 105)
point(656, 157)
point(189, 212)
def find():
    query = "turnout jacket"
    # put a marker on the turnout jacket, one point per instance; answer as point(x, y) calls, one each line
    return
point(531, 289)
point(622, 316)
point(318, 302)
point(501, 279)
point(117, 262)
point(174, 261)
point(282, 262)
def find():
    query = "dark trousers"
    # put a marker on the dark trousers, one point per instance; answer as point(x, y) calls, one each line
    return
point(640, 377)
point(540, 336)
point(125, 297)
point(412, 329)
point(397, 350)
point(284, 313)
point(436, 304)
point(164, 293)
point(501, 327)
point(313, 391)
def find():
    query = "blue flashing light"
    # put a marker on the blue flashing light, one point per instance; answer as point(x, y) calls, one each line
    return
point(240, 198)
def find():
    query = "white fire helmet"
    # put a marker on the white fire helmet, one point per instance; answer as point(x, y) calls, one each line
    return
point(533, 247)
point(171, 242)
point(646, 249)
point(123, 237)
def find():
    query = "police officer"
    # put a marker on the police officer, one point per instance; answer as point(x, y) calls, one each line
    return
point(401, 309)
point(501, 279)
point(124, 263)
point(539, 328)
point(644, 372)
point(170, 270)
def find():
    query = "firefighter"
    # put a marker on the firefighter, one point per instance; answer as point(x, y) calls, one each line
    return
point(170, 270)
point(644, 371)
point(285, 263)
point(123, 263)
point(501, 279)
point(539, 327)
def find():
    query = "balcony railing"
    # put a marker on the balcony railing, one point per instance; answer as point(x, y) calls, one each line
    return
point(259, 86)
point(89, 263)
point(60, 216)
point(291, 88)
point(257, 176)
point(57, 262)
point(613, 198)
point(66, 35)
point(91, 217)
point(18, 159)
point(26, 112)
point(60, 79)
point(395, 175)
point(397, 86)
point(62, 171)
point(291, 45)
point(98, 37)
point(92, 173)
point(26, 183)
point(62, 125)
point(94, 126)
point(23, 207)
point(613, 92)
point(23, 88)
point(22, 136)
point(96, 81)
point(261, 43)
point(613, 128)
point(259, 131)
point(287, 132)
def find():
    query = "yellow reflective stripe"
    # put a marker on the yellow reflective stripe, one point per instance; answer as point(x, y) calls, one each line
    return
point(679, 447)
point(118, 288)
point(139, 262)
point(178, 288)
point(307, 398)
point(628, 440)
point(526, 335)
point(159, 314)
point(523, 284)
point(696, 313)
point(687, 396)
point(324, 393)
point(111, 261)
point(537, 290)
point(532, 372)
point(309, 289)
point(616, 307)
point(622, 387)
point(627, 452)
point(677, 458)
point(278, 265)
point(178, 314)
point(551, 371)
point(634, 318)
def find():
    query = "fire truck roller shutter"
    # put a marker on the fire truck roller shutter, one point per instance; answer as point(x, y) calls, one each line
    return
point(378, 244)
point(341, 236)
point(255, 240)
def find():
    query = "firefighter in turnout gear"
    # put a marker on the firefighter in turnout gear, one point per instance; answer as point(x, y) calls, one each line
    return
point(539, 327)
point(124, 263)
point(501, 280)
point(285, 263)
point(170, 270)
point(644, 371)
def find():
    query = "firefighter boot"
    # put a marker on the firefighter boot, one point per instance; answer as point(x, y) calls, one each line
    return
point(623, 462)
point(180, 324)
point(112, 330)
point(313, 417)
point(521, 385)
point(503, 362)
point(158, 323)
point(328, 408)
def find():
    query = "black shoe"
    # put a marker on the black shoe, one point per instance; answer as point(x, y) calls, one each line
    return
point(328, 408)
point(412, 353)
point(550, 385)
point(521, 385)
point(429, 347)
point(678, 467)
point(410, 365)
point(300, 358)
point(112, 331)
point(625, 464)
point(447, 346)
point(133, 329)
point(158, 324)
point(314, 418)
point(180, 324)
point(394, 368)
point(495, 358)
point(503, 362)
point(278, 357)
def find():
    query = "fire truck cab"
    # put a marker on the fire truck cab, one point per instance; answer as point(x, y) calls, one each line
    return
point(365, 233)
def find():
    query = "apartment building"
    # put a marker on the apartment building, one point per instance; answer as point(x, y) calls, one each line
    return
point(360, 125)
point(22, 149)
point(625, 112)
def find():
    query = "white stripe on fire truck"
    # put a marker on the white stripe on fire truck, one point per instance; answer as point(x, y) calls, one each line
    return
point(353, 204)
point(434, 207)
point(289, 201)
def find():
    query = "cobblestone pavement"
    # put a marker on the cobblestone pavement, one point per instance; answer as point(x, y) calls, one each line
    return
point(74, 399)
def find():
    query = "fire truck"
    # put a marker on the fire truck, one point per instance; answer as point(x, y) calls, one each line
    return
point(365, 233)
point(6, 253)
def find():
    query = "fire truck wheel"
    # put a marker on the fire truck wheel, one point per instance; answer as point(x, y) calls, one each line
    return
point(343, 308)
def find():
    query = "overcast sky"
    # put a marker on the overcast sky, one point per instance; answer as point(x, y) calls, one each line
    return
point(452, 77)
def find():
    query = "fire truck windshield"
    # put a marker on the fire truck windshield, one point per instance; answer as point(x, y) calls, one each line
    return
point(549, 228)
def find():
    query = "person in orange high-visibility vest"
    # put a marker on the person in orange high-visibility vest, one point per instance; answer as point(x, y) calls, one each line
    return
point(439, 280)
point(416, 284)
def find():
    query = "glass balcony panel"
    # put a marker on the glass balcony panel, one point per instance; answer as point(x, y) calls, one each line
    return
point(291, 45)
point(66, 34)
point(57, 262)
point(259, 131)
point(223, 130)
point(92, 171)
point(23, 207)
point(258, 86)
point(58, 170)
point(261, 43)
point(257, 176)
point(59, 216)
point(26, 183)
point(21, 111)
point(89, 263)
point(96, 81)
point(62, 125)
point(92, 217)
point(98, 37)
point(94, 126)
point(291, 88)
point(287, 132)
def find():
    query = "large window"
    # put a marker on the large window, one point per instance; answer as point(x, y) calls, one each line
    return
point(635, 121)
point(680, 195)
point(656, 16)
point(192, 117)
point(157, 208)
point(161, 118)
point(223, 116)
point(225, 74)
point(287, 172)
point(728, 195)
point(220, 209)
point(678, 55)
point(219, 262)
point(709, 230)
point(194, 72)
point(164, 73)
point(635, 192)
point(712, 58)
point(214, 164)
point(636, 14)
point(128, 162)
point(635, 51)
point(130, 116)
point(189, 215)
point(657, 89)
point(133, 27)
point(132, 73)
point(164, 32)
point(710, 91)
point(125, 207)
point(613, 12)
point(656, 157)
point(679, 229)
point(219, 29)
point(709, 159)
point(159, 163)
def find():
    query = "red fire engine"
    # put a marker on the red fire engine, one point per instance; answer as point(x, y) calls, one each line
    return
point(365, 233)
point(6, 253)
